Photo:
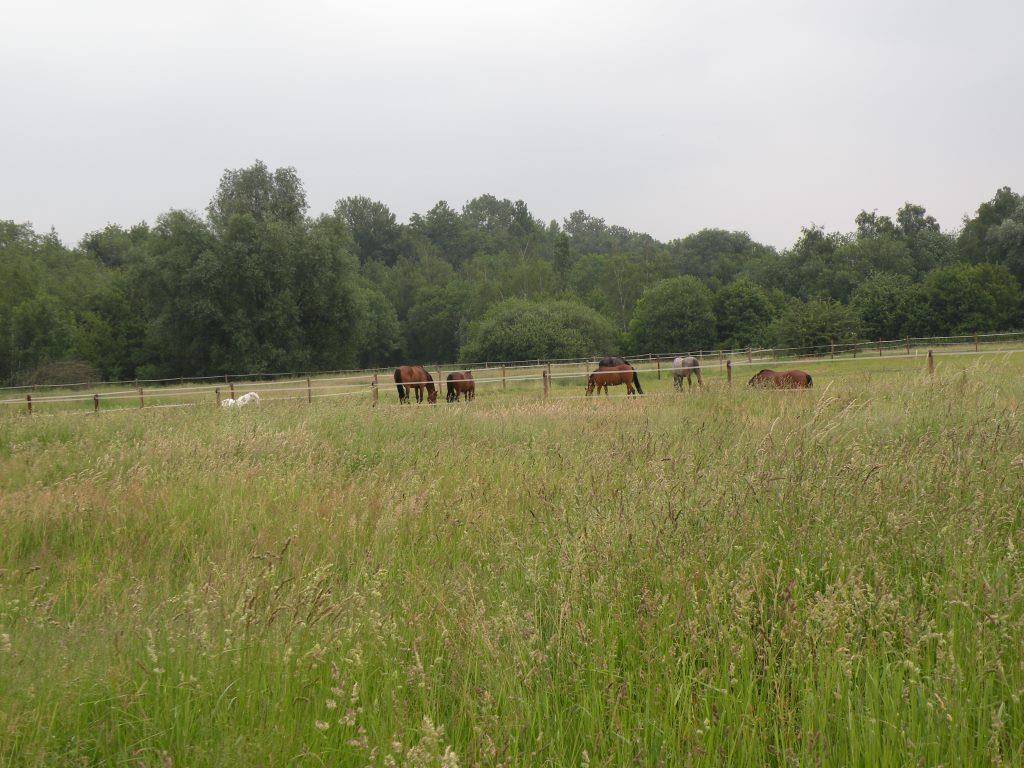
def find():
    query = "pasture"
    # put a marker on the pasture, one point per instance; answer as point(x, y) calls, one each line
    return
point(828, 577)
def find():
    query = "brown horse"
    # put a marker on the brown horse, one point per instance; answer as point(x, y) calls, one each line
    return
point(416, 377)
point(781, 379)
point(622, 373)
point(460, 383)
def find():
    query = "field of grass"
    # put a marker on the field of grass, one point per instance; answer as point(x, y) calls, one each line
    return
point(727, 577)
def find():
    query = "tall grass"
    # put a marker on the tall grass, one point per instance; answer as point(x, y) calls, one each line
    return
point(723, 577)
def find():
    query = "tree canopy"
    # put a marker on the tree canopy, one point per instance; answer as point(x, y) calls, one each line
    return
point(258, 284)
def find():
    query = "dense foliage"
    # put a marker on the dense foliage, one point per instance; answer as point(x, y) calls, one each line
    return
point(257, 284)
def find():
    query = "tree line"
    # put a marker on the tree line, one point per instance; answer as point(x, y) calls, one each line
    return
point(257, 284)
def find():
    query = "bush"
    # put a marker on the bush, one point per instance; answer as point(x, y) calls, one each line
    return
point(545, 330)
point(673, 315)
point(815, 324)
point(63, 372)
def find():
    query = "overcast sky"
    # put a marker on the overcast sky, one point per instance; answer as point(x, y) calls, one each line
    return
point(661, 117)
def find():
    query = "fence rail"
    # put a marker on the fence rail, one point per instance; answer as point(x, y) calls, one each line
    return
point(368, 383)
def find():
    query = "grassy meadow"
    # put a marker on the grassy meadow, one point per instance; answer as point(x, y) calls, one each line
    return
point(725, 577)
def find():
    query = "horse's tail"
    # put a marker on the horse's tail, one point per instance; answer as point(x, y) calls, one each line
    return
point(398, 385)
point(636, 382)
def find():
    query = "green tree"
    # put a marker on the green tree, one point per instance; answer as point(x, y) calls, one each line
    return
point(278, 196)
point(815, 324)
point(966, 298)
point(41, 330)
point(525, 330)
point(883, 303)
point(437, 323)
point(379, 338)
point(376, 233)
point(743, 312)
point(717, 254)
point(673, 315)
point(975, 242)
point(1006, 242)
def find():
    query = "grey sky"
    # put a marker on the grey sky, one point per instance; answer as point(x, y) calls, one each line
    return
point(661, 117)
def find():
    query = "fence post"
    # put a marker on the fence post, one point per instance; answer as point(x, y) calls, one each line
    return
point(975, 342)
point(309, 390)
point(29, 399)
point(728, 371)
point(878, 346)
point(750, 355)
point(832, 350)
point(142, 402)
point(547, 383)
point(659, 369)
point(931, 362)
point(216, 393)
point(720, 358)
point(503, 378)
point(373, 388)
point(907, 340)
point(232, 390)
point(95, 403)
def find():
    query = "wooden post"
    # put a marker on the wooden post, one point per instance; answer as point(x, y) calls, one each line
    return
point(659, 369)
point(931, 362)
point(547, 383)
point(95, 403)
point(975, 342)
point(309, 390)
point(142, 402)
point(878, 346)
point(832, 352)
point(750, 355)
point(728, 371)
point(216, 393)
point(855, 351)
point(225, 378)
point(29, 399)
point(720, 359)
point(373, 389)
point(503, 378)
point(232, 390)
point(908, 344)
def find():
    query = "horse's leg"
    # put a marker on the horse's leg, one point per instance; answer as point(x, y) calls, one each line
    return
point(700, 381)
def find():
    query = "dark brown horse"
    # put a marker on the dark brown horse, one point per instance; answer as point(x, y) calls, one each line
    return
point(615, 374)
point(460, 383)
point(416, 377)
point(781, 379)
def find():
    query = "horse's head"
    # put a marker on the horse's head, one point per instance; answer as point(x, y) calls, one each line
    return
point(431, 394)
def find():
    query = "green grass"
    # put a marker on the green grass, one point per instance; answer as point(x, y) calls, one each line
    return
point(733, 577)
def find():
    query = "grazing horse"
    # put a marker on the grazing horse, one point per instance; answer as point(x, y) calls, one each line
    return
point(620, 373)
point(684, 368)
point(781, 379)
point(460, 383)
point(416, 377)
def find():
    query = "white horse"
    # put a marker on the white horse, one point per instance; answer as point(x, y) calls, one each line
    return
point(684, 368)
point(246, 399)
